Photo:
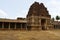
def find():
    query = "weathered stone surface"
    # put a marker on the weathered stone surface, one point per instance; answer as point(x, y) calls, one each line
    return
point(38, 16)
point(38, 10)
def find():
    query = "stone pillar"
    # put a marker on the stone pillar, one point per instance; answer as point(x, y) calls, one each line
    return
point(40, 22)
point(2, 25)
point(46, 25)
point(15, 25)
point(40, 27)
point(21, 26)
point(26, 26)
point(9, 25)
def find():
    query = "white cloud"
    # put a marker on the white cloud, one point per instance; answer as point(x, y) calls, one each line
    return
point(53, 1)
point(3, 14)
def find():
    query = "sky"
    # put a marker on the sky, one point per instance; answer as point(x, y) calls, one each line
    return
point(19, 8)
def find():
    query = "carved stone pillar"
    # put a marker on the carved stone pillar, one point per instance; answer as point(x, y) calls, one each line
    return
point(3, 25)
point(26, 26)
point(15, 25)
point(21, 26)
point(46, 26)
point(9, 25)
point(40, 27)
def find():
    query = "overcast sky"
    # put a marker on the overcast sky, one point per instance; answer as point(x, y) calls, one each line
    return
point(19, 8)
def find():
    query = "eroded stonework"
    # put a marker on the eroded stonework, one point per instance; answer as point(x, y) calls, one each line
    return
point(38, 17)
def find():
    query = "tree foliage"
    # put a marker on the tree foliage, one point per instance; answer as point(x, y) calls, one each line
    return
point(57, 17)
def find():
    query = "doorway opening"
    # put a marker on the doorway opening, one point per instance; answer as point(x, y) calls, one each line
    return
point(43, 22)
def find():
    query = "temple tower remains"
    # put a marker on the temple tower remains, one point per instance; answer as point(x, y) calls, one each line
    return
point(38, 17)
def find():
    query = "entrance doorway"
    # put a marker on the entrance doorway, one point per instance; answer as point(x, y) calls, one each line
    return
point(43, 22)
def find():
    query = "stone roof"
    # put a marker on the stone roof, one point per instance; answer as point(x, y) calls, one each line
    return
point(12, 20)
point(56, 23)
point(38, 10)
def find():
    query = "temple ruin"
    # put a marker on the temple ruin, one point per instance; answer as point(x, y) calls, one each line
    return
point(38, 18)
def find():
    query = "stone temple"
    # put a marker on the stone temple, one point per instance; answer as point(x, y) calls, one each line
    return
point(38, 18)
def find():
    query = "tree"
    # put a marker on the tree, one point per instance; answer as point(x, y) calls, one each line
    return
point(57, 18)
